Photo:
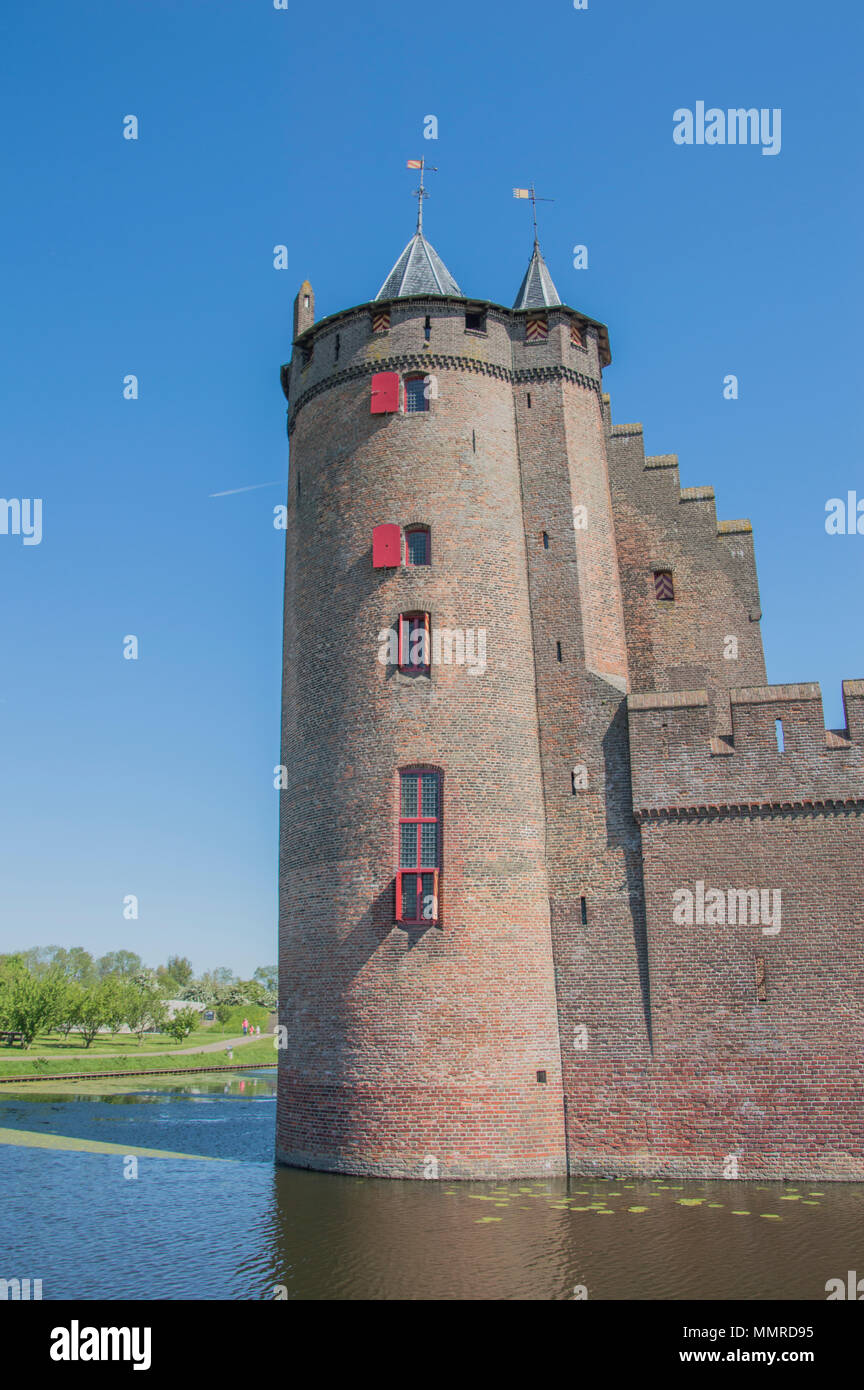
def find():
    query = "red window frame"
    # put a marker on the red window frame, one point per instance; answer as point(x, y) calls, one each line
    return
point(418, 531)
point(406, 381)
point(409, 624)
point(417, 881)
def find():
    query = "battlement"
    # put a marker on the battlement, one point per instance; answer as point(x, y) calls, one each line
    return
point(747, 749)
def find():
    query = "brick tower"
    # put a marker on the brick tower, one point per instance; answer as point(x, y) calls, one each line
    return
point(481, 570)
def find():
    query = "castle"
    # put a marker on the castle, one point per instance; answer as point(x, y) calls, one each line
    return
point(594, 903)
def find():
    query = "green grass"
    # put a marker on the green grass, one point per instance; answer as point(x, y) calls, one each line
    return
point(29, 1139)
point(55, 1046)
point(14, 1062)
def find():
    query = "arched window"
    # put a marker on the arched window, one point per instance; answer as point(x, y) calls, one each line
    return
point(419, 846)
point(416, 395)
point(417, 546)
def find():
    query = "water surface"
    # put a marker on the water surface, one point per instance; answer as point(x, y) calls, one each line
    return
point(241, 1228)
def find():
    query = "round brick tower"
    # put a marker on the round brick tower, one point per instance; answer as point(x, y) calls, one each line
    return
point(419, 1009)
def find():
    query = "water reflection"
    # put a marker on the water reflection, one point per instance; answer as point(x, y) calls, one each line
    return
point(245, 1229)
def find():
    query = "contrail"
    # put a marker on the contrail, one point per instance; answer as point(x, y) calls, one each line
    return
point(231, 490)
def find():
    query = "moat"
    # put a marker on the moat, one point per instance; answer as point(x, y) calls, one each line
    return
point(223, 1222)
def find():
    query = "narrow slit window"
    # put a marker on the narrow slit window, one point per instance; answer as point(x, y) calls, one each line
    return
point(545, 540)
point(529, 400)
point(336, 349)
point(558, 649)
point(419, 847)
point(779, 735)
point(583, 911)
point(427, 328)
point(664, 588)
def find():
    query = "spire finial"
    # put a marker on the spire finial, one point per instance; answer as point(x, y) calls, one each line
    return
point(421, 192)
point(529, 193)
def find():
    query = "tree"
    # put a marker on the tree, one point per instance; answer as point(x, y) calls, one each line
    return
point(76, 963)
point(180, 969)
point(268, 975)
point(34, 958)
point(182, 1024)
point(168, 986)
point(143, 1010)
point(123, 963)
point(28, 1003)
point(90, 1012)
point(113, 1002)
point(69, 998)
point(145, 979)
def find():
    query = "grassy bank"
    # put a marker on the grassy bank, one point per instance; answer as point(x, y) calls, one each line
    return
point(106, 1045)
point(16, 1063)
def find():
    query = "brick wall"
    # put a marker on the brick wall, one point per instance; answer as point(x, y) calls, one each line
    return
point(408, 1043)
point(572, 812)
point(660, 526)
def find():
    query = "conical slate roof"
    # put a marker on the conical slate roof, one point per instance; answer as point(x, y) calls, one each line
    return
point(419, 270)
point(537, 290)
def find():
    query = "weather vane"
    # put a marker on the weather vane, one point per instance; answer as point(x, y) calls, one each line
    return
point(529, 193)
point(421, 192)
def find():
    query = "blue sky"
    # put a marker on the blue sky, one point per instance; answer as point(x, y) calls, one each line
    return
point(260, 127)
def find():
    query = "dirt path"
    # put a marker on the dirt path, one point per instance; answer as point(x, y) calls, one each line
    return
point(221, 1046)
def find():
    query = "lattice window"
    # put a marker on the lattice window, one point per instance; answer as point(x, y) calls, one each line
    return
point(417, 548)
point(419, 841)
point(416, 395)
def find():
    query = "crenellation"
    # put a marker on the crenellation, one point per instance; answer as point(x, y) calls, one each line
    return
point(674, 749)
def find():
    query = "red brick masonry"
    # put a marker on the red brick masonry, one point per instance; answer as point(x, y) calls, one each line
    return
point(558, 1016)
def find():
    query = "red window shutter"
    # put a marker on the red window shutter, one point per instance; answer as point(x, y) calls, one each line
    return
point(385, 393)
point(398, 897)
point(386, 546)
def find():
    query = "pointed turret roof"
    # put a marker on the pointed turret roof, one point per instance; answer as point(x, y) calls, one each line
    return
point(419, 270)
point(537, 290)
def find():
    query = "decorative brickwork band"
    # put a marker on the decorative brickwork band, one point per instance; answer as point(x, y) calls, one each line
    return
point(414, 361)
point(752, 809)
